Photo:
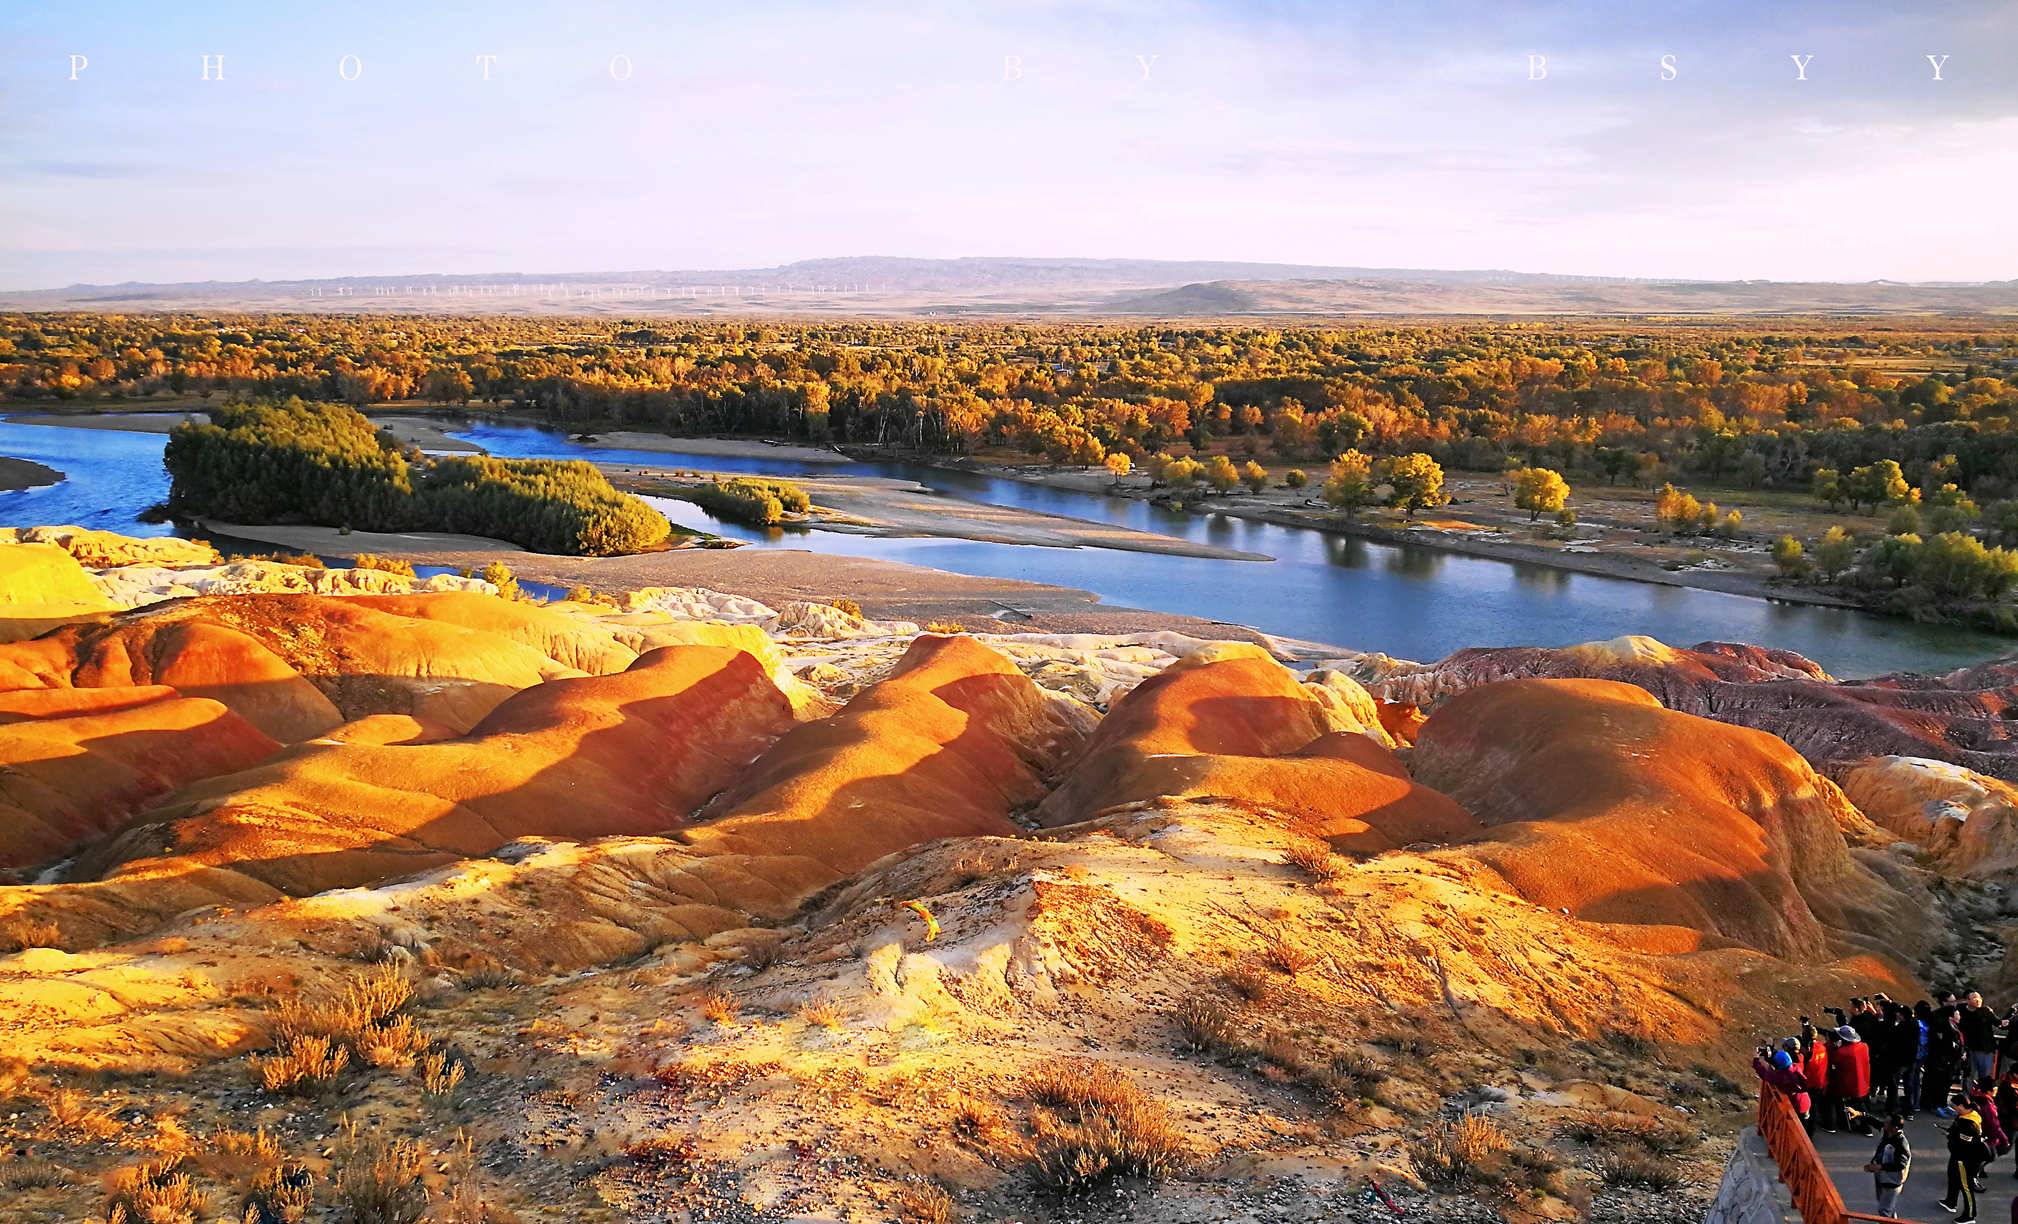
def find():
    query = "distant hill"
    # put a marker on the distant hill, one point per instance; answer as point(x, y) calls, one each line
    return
point(880, 285)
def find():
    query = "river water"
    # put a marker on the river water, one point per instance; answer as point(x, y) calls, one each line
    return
point(1412, 602)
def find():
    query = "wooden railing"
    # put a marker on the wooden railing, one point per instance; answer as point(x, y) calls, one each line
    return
point(1815, 1194)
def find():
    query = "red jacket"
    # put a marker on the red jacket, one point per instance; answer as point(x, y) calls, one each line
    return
point(1788, 1081)
point(1815, 1068)
point(1850, 1071)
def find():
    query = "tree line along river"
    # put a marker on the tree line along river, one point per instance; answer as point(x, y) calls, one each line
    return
point(1412, 602)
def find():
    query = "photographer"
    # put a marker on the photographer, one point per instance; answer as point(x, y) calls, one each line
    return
point(1776, 1067)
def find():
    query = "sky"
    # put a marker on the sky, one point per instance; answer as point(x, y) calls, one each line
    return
point(1409, 133)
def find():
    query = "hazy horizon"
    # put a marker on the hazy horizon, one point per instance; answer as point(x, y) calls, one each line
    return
point(1279, 131)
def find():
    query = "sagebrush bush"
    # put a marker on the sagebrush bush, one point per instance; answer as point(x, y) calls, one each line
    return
point(153, 1192)
point(1467, 1148)
point(378, 1178)
point(1095, 1126)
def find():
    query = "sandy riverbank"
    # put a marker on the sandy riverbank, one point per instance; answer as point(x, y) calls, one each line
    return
point(740, 448)
point(884, 506)
point(1598, 551)
point(19, 474)
point(884, 589)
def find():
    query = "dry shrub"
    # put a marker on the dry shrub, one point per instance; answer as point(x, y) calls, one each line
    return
point(1284, 955)
point(27, 1173)
point(378, 1177)
point(489, 973)
point(153, 1192)
point(396, 1043)
point(441, 1073)
point(1314, 859)
point(719, 1006)
point(847, 605)
point(316, 1039)
point(1636, 1168)
point(974, 1119)
point(303, 1066)
point(1097, 1126)
point(1207, 1025)
point(823, 1014)
point(79, 1119)
point(23, 932)
point(1613, 1128)
point(922, 1203)
point(239, 1157)
point(945, 628)
point(1468, 1148)
point(1249, 984)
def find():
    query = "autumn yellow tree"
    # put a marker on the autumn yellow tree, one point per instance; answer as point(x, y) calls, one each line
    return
point(1539, 491)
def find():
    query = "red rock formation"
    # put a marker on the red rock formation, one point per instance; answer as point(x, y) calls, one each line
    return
point(953, 741)
point(634, 752)
point(1235, 723)
point(73, 771)
point(1602, 802)
point(1962, 717)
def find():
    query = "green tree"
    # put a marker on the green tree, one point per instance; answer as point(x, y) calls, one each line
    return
point(1904, 520)
point(2000, 519)
point(1836, 553)
point(1877, 484)
point(1828, 487)
point(1539, 491)
point(1295, 478)
point(1896, 558)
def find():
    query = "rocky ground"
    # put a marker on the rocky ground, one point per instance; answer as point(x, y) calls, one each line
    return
point(340, 894)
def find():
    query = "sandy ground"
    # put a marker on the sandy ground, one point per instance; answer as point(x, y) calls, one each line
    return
point(18, 474)
point(749, 448)
point(879, 506)
point(1479, 522)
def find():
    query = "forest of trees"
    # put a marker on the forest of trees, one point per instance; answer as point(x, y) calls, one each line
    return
point(1741, 402)
point(297, 462)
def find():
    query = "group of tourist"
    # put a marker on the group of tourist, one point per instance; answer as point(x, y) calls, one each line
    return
point(1883, 1063)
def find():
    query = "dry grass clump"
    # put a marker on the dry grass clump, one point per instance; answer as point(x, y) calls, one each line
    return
point(945, 628)
point(378, 1178)
point(1207, 1025)
point(922, 1202)
point(81, 1120)
point(302, 1066)
point(719, 1006)
point(1249, 983)
point(26, 1173)
point(1094, 1125)
point(254, 1161)
point(975, 1120)
point(23, 932)
point(847, 605)
point(1314, 859)
point(1286, 956)
point(824, 1014)
point(315, 1040)
point(153, 1192)
point(1615, 1129)
point(1635, 1168)
point(1455, 1151)
point(441, 1073)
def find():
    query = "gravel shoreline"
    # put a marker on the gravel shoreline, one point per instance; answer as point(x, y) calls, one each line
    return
point(19, 474)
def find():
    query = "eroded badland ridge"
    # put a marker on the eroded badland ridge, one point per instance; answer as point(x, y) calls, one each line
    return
point(343, 894)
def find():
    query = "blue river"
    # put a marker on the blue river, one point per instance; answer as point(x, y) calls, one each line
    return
point(1412, 602)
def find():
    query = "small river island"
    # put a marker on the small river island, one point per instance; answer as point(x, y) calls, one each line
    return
point(19, 474)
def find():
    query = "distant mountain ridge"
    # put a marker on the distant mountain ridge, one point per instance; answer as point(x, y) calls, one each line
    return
point(1065, 287)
